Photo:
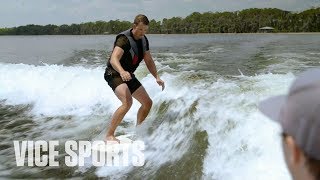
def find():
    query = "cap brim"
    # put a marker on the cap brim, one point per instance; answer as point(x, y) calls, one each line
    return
point(271, 107)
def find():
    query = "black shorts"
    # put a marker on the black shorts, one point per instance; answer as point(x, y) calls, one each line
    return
point(114, 80)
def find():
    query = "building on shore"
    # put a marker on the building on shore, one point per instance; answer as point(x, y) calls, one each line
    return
point(266, 29)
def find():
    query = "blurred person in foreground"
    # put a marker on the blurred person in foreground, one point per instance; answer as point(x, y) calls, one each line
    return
point(298, 113)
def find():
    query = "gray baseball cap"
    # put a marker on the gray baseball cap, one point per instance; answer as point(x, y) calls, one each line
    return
point(298, 112)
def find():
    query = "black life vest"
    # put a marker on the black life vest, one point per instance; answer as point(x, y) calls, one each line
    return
point(134, 48)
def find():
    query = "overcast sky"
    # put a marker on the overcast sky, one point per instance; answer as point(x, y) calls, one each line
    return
point(42, 12)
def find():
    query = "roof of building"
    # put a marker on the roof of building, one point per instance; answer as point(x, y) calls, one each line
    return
point(267, 28)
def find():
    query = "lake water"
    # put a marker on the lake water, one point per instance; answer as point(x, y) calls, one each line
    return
point(204, 125)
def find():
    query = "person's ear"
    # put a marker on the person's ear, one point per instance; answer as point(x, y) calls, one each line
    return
point(295, 153)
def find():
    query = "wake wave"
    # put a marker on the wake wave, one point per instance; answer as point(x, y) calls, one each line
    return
point(199, 112)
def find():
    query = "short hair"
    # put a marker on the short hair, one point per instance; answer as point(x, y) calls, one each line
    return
point(313, 166)
point(141, 18)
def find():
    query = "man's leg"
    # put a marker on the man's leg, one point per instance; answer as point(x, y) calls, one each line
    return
point(142, 96)
point(124, 95)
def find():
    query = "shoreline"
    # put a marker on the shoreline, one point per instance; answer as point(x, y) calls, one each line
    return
point(284, 33)
point(246, 33)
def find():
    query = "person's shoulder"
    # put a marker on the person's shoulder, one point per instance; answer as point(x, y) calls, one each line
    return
point(147, 42)
point(122, 37)
point(146, 39)
point(123, 42)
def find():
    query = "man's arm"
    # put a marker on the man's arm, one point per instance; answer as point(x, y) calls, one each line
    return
point(115, 63)
point(152, 68)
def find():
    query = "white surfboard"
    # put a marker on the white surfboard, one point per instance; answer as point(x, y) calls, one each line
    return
point(127, 138)
point(106, 146)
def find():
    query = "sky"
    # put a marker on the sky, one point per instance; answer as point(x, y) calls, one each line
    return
point(22, 12)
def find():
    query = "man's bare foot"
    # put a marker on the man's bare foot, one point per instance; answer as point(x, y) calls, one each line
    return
point(112, 138)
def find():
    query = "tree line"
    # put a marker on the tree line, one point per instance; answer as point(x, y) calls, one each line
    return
point(245, 21)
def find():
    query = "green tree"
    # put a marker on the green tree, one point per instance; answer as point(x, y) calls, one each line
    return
point(245, 21)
